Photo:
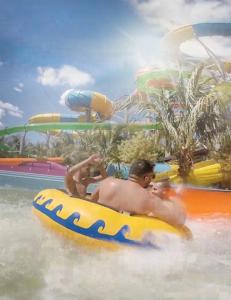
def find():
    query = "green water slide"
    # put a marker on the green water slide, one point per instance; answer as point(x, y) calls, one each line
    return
point(73, 126)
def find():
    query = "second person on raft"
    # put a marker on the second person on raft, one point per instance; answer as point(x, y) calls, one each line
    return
point(78, 177)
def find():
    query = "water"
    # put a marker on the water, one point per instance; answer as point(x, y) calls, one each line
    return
point(38, 264)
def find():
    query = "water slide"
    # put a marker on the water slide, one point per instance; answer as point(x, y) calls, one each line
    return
point(203, 173)
point(55, 118)
point(151, 79)
point(15, 161)
point(58, 118)
point(96, 106)
point(204, 202)
point(173, 40)
point(88, 100)
point(73, 126)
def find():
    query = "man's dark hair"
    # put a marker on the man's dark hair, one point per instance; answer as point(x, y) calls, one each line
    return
point(141, 167)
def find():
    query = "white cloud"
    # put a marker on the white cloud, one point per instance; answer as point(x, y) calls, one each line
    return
point(66, 75)
point(1, 63)
point(19, 87)
point(8, 108)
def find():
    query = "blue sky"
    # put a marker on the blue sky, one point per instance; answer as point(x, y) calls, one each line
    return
point(49, 46)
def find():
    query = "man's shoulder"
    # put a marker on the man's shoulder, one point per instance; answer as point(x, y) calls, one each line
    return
point(112, 180)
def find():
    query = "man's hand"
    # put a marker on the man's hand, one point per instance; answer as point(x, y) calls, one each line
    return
point(164, 183)
point(159, 188)
point(95, 159)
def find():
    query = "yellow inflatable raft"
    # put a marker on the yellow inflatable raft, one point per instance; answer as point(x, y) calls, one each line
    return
point(94, 224)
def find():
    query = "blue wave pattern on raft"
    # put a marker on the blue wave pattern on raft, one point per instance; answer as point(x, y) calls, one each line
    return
point(93, 230)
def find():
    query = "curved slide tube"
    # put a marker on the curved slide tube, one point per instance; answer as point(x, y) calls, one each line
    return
point(74, 126)
point(54, 118)
point(173, 39)
point(153, 80)
point(79, 100)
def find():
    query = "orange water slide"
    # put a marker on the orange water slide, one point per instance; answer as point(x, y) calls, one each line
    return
point(202, 202)
point(18, 160)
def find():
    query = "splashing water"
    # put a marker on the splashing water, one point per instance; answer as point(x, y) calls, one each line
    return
point(38, 264)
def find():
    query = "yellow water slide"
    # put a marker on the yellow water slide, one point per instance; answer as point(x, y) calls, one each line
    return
point(204, 173)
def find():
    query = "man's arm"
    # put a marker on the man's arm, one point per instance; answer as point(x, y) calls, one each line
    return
point(68, 179)
point(89, 161)
point(103, 173)
point(171, 211)
point(69, 184)
point(160, 188)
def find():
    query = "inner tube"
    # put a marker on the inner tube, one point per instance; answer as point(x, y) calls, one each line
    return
point(94, 224)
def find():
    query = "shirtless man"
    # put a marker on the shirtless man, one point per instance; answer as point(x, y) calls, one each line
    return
point(136, 196)
point(78, 177)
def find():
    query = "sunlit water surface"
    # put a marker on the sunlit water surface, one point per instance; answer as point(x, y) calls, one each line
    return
point(38, 264)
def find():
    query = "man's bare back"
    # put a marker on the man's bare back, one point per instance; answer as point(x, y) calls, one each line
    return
point(122, 195)
point(125, 195)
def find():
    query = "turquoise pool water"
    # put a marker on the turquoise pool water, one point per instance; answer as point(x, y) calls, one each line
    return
point(38, 264)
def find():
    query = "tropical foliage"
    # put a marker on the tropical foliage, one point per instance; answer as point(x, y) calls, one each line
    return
point(104, 142)
point(141, 145)
point(191, 114)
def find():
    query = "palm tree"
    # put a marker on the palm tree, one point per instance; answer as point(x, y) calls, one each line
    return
point(141, 145)
point(78, 146)
point(190, 114)
point(104, 142)
point(222, 154)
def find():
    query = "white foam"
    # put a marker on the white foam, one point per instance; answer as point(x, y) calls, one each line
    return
point(38, 264)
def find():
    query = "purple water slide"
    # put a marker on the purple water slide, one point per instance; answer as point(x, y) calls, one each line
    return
point(41, 167)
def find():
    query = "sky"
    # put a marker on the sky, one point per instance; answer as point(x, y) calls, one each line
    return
point(50, 46)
